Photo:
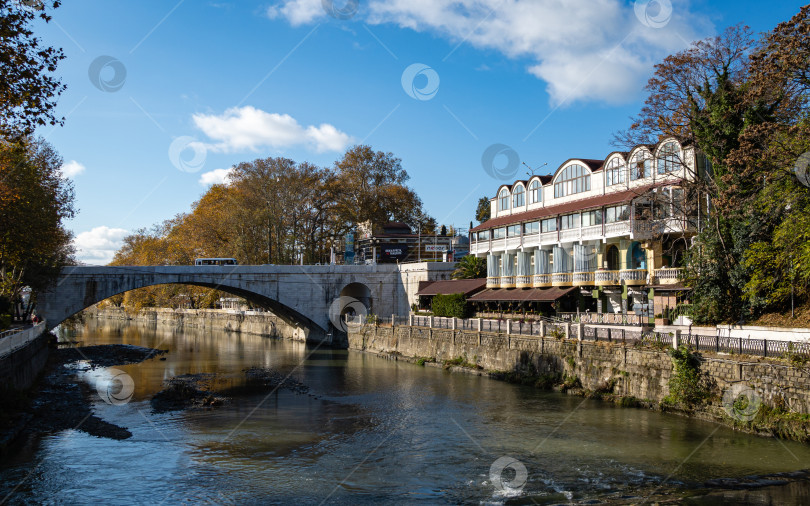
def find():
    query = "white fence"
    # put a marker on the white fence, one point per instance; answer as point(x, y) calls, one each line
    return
point(13, 340)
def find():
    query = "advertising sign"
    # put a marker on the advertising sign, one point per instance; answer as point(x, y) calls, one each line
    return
point(393, 252)
point(348, 255)
point(440, 248)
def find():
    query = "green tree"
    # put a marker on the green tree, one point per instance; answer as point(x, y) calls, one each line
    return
point(470, 267)
point(482, 212)
point(28, 91)
point(35, 200)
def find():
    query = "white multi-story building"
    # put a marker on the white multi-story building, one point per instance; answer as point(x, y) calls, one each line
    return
point(616, 227)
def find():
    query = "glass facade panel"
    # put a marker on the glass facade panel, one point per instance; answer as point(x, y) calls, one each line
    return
point(590, 218)
point(549, 225)
point(614, 172)
point(518, 196)
point(640, 166)
point(499, 233)
point(535, 192)
point(569, 221)
point(531, 228)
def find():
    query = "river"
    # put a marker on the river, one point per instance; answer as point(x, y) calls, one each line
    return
point(373, 430)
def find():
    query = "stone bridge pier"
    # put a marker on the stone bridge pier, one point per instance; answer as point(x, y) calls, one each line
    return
point(311, 297)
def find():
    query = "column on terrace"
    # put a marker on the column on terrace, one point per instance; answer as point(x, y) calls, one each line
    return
point(508, 267)
point(584, 258)
point(562, 262)
point(524, 263)
point(541, 261)
point(492, 265)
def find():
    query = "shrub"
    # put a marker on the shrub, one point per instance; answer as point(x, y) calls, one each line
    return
point(452, 305)
point(687, 386)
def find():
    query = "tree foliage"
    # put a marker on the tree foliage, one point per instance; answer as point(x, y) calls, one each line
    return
point(28, 90)
point(742, 103)
point(450, 305)
point(483, 210)
point(35, 200)
point(274, 210)
point(470, 267)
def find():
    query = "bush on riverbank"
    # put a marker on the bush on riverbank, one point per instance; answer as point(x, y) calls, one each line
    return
point(453, 305)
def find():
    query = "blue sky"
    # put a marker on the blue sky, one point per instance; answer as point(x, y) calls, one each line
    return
point(164, 96)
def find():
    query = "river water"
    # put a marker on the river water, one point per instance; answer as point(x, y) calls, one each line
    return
point(374, 430)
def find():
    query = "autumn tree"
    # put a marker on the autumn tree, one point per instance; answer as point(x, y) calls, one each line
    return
point(28, 90)
point(35, 200)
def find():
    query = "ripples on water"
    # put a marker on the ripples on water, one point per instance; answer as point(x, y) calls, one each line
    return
point(372, 430)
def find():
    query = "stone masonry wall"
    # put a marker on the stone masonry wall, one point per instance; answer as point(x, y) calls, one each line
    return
point(633, 371)
point(248, 322)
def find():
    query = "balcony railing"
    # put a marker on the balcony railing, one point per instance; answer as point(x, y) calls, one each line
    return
point(548, 237)
point(541, 280)
point(606, 278)
point(493, 282)
point(523, 281)
point(669, 275)
point(583, 278)
point(633, 276)
point(561, 279)
point(507, 281)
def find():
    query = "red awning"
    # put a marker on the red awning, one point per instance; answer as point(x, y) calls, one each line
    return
point(465, 286)
point(569, 207)
point(521, 294)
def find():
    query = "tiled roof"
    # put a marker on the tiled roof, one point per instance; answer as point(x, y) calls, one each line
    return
point(568, 207)
point(465, 286)
point(518, 294)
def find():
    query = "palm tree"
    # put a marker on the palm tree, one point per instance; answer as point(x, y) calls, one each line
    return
point(470, 267)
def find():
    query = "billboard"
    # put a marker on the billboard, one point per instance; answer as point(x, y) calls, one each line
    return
point(393, 252)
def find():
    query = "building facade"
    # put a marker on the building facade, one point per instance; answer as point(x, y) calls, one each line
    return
point(617, 228)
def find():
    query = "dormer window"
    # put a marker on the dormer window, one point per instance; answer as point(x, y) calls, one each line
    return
point(614, 172)
point(519, 196)
point(503, 200)
point(668, 158)
point(573, 179)
point(535, 192)
point(640, 166)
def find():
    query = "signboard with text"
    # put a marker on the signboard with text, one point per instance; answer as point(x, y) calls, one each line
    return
point(393, 252)
point(440, 248)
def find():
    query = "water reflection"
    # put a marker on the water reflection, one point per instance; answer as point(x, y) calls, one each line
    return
point(371, 430)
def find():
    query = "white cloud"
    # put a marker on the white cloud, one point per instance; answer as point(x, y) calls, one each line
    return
point(248, 128)
point(297, 12)
point(98, 246)
point(216, 176)
point(585, 50)
point(72, 168)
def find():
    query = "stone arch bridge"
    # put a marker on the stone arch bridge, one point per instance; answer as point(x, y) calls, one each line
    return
point(305, 296)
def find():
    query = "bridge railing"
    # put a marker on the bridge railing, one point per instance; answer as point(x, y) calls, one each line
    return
point(11, 341)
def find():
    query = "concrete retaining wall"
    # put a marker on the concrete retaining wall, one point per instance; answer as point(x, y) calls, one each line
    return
point(622, 369)
point(22, 357)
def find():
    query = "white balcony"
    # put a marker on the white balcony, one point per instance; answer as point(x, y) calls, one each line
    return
point(633, 277)
point(541, 280)
point(561, 279)
point(498, 245)
point(507, 281)
point(513, 243)
point(606, 278)
point(569, 235)
point(547, 238)
point(668, 275)
point(583, 279)
point(493, 282)
point(523, 281)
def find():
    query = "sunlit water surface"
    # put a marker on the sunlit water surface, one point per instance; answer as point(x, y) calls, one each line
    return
point(371, 430)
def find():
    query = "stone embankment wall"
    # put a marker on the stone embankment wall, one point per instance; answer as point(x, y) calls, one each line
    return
point(248, 322)
point(608, 367)
point(21, 366)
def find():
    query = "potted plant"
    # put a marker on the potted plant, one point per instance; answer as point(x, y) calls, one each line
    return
point(661, 320)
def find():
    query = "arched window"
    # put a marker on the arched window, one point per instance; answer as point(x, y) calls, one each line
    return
point(535, 192)
point(640, 166)
point(503, 200)
point(668, 158)
point(519, 196)
point(614, 172)
point(573, 179)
